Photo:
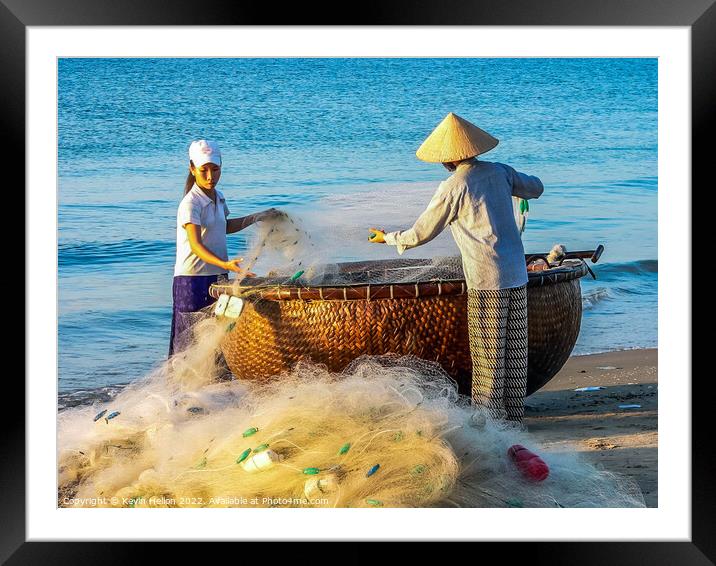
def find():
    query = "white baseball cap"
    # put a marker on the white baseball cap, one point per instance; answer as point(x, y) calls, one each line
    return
point(204, 151)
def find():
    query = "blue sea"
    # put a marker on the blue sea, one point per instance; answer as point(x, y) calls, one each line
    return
point(333, 141)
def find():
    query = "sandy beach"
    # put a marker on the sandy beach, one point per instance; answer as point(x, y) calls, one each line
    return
point(622, 440)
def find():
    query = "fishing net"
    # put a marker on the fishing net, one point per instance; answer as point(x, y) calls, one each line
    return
point(285, 250)
point(386, 432)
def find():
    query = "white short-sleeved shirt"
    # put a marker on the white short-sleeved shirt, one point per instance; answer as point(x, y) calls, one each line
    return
point(197, 208)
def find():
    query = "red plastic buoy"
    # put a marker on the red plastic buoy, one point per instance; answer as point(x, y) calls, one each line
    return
point(532, 466)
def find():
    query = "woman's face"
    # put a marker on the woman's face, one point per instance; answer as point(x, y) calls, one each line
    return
point(207, 176)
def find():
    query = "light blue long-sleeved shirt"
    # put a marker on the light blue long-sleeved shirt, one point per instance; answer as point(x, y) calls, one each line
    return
point(476, 202)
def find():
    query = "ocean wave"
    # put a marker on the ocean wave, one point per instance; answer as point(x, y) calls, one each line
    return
point(118, 206)
point(114, 320)
point(648, 183)
point(268, 200)
point(580, 352)
point(88, 396)
point(642, 183)
point(103, 253)
point(87, 254)
point(591, 298)
point(639, 267)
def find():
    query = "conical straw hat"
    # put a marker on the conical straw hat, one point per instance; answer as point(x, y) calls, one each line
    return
point(455, 139)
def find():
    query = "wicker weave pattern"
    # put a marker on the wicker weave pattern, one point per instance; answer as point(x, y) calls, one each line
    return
point(272, 335)
point(554, 314)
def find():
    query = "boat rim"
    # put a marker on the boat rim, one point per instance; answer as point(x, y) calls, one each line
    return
point(286, 289)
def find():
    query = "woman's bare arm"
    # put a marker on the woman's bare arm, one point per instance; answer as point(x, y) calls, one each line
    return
point(238, 224)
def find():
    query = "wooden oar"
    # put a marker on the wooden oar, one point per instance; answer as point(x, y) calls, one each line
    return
point(593, 255)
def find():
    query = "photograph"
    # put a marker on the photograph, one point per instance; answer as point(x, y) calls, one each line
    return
point(385, 281)
point(357, 282)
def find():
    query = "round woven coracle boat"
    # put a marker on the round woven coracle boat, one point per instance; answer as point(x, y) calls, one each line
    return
point(355, 310)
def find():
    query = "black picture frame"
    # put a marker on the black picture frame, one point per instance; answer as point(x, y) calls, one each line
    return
point(699, 15)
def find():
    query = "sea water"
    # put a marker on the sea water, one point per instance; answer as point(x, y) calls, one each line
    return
point(333, 141)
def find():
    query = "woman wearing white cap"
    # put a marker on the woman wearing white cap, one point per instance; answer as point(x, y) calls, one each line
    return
point(476, 202)
point(202, 225)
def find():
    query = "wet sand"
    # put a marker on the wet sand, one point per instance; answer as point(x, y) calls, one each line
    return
point(621, 440)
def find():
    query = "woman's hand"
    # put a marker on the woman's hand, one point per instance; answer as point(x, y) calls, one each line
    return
point(268, 214)
point(376, 236)
point(235, 266)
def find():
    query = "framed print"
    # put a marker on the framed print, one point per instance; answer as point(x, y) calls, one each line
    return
point(292, 301)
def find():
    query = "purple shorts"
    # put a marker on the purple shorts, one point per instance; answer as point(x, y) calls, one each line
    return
point(190, 294)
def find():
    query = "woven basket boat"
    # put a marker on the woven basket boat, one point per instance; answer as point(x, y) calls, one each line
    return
point(357, 311)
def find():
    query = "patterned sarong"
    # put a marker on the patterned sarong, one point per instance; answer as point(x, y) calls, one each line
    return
point(497, 326)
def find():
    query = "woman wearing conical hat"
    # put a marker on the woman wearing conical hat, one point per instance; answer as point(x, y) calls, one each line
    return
point(476, 202)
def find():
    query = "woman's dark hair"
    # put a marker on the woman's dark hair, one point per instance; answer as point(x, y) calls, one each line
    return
point(190, 180)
